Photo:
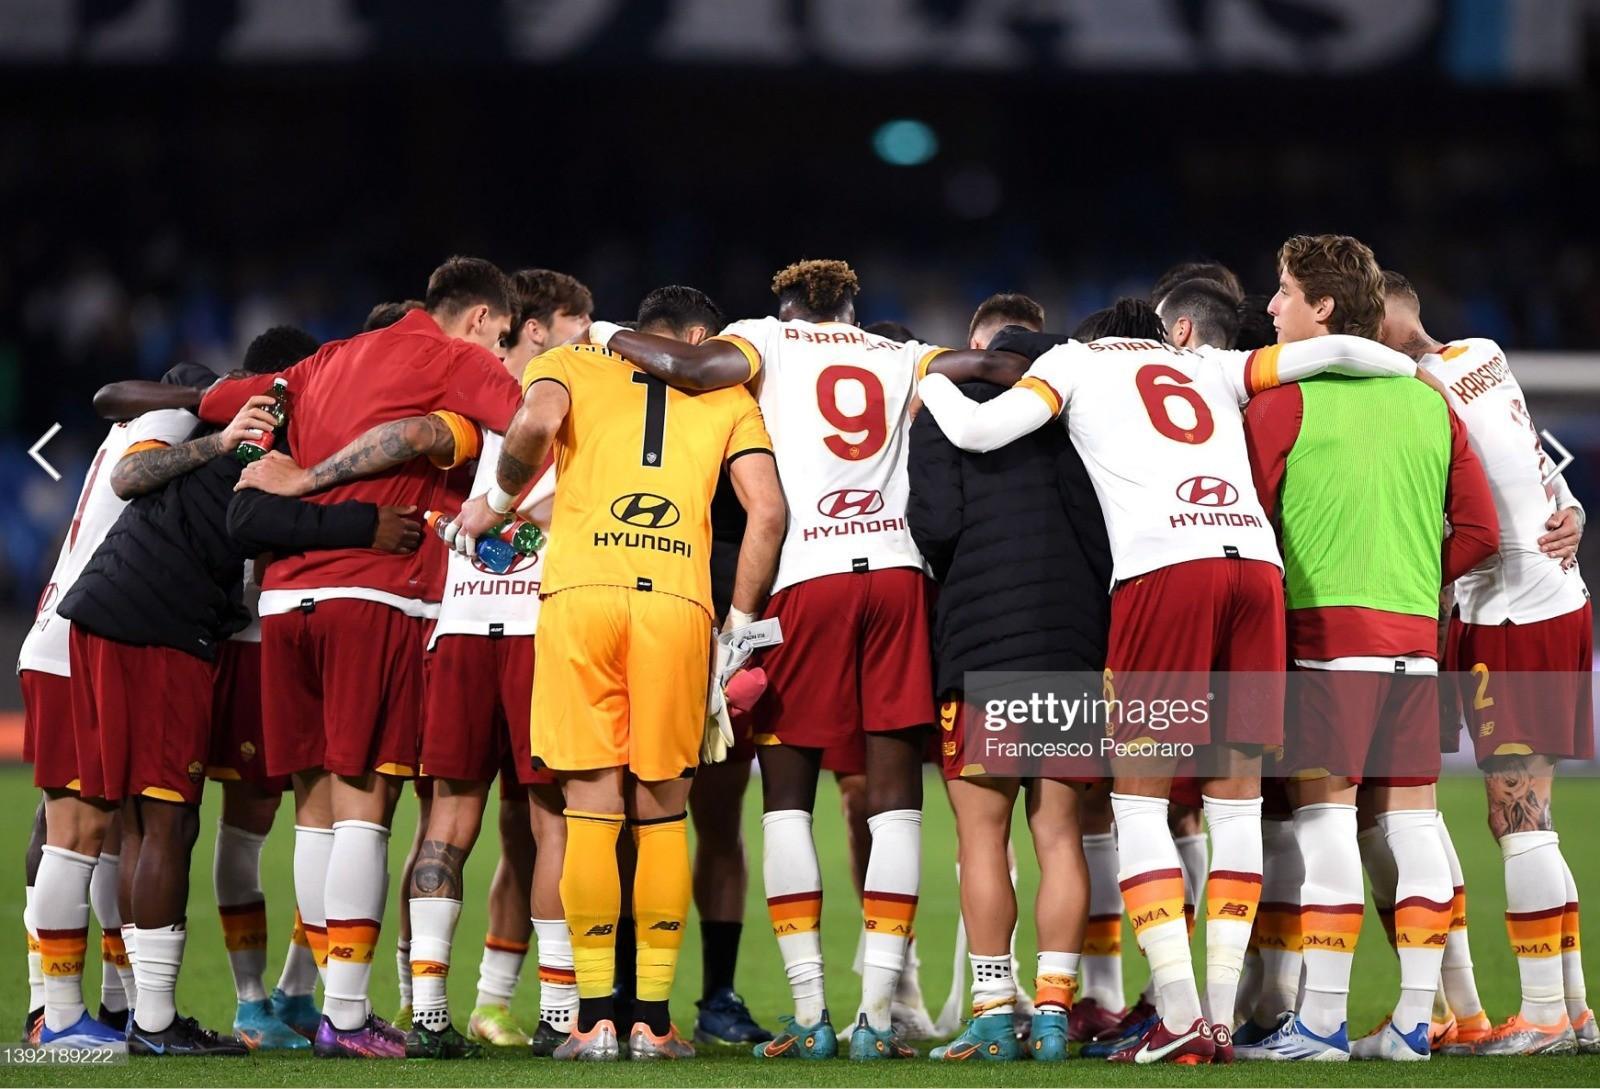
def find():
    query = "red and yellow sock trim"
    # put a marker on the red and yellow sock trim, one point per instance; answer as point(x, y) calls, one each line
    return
point(113, 952)
point(1233, 895)
point(550, 975)
point(1332, 928)
point(1053, 989)
point(62, 952)
point(244, 926)
point(1277, 926)
point(505, 945)
point(795, 913)
point(1536, 934)
point(1153, 897)
point(1420, 922)
point(1102, 937)
point(889, 912)
point(352, 940)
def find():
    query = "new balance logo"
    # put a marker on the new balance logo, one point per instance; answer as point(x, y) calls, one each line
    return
point(667, 924)
point(1233, 910)
point(598, 930)
point(1435, 939)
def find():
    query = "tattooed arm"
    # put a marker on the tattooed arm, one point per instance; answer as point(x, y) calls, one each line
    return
point(375, 450)
point(143, 472)
point(1519, 794)
point(533, 429)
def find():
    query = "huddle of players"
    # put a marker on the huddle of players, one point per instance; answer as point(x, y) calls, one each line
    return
point(622, 685)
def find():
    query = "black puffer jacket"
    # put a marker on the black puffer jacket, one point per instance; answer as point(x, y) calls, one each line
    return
point(169, 572)
point(1024, 585)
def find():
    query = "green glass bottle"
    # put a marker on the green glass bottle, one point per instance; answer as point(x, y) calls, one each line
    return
point(255, 449)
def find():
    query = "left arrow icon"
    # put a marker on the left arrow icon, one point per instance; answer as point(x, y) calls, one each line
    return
point(33, 451)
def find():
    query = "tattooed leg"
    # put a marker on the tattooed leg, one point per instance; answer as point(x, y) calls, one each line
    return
point(1518, 789)
point(453, 824)
point(436, 892)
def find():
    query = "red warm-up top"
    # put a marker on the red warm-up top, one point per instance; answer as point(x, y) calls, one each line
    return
point(410, 368)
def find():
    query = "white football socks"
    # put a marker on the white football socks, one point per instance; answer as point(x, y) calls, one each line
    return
point(558, 983)
point(889, 904)
point(1536, 896)
point(1278, 922)
point(1233, 890)
point(358, 885)
point(1572, 951)
point(103, 902)
point(1421, 909)
point(498, 972)
point(1331, 906)
point(994, 988)
point(1459, 982)
point(160, 957)
point(1152, 888)
point(312, 849)
point(236, 879)
point(793, 882)
point(1102, 940)
point(433, 928)
point(61, 912)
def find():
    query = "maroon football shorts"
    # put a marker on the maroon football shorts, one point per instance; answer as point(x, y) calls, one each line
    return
point(1511, 712)
point(1378, 728)
point(237, 743)
point(479, 709)
point(1177, 629)
point(48, 742)
point(854, 658)
point(142, 719)
point(342, 688)
point(958, 719)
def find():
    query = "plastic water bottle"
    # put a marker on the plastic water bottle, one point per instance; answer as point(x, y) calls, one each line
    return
point(499, 549)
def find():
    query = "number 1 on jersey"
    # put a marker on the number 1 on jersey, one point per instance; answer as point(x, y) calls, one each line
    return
point(655, 419)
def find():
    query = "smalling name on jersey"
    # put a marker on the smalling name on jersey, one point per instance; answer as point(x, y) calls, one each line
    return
point(650, 542)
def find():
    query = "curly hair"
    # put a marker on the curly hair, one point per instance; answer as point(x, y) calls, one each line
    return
point(1341, 268)
point(1127, 317)
point(819, 287)
point(279, 348)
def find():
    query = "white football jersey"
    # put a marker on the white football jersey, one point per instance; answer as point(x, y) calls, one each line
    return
point(45, 647)
point(1160, 431)
point(252, 604)
point(476, 600)
point(835, 402)
point(1518, 583)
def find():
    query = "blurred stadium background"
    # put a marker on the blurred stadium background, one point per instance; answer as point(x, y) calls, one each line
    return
point(179, 174)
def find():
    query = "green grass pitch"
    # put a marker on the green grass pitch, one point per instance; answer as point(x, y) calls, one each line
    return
point(205, 989)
